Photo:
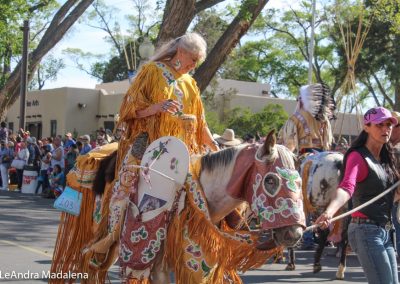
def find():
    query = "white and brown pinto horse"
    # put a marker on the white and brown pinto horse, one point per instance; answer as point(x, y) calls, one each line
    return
point(263, 175)
point(320, 173)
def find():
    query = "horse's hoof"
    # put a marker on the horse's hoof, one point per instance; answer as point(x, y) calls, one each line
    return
point(340, 272)
point(317, 268)
point(290, 267)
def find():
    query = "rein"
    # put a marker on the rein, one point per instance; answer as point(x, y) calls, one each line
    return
point(312, 227)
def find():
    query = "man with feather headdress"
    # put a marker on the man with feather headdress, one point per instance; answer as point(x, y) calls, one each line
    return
point(309, 127)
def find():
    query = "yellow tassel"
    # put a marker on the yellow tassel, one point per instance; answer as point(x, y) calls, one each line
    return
point(74, 232)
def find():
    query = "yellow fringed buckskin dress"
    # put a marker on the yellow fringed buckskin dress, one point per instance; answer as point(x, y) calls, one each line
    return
point(154, 83)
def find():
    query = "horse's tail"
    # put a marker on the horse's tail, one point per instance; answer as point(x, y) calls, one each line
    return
point(105, 173)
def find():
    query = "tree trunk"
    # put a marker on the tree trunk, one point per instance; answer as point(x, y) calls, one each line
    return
point(177, 17)
point(397, 96)
point(65, 17)
point(249, 11)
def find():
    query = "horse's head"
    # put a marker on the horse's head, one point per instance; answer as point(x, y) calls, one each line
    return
point(320, 172)
point(265, 176)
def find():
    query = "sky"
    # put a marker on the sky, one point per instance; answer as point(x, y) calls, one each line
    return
point(92, 40)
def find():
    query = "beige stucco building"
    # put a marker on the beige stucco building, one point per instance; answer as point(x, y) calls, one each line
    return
point(82, 111)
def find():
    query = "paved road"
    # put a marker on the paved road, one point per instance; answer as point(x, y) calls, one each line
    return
point(28, 228)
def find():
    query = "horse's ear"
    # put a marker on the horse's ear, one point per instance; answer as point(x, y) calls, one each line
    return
point(269, 143)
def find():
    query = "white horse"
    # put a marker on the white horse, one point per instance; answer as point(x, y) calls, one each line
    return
point(320, 173)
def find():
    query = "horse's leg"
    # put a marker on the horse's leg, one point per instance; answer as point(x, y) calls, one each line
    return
point(344, 243)
point(159, 273)
point(342, 262)
point(291, 266)
point(323, 236)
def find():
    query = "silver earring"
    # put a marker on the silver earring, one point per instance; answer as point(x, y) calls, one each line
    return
point(177, 64)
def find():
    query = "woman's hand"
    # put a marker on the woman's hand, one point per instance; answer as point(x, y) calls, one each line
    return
point(324, 220)
point(214, 146)
point(168, 106)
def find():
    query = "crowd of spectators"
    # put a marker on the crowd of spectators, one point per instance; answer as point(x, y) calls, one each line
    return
point(51, 157)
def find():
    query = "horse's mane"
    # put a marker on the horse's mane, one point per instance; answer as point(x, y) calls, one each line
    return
point(287, 156)
point(215, 160)
point(223, 158)
point(105, 173)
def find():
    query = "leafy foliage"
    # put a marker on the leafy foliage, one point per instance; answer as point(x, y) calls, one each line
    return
point(11, 19)
point(280, 58)
point(47, 71)
point(244, 121)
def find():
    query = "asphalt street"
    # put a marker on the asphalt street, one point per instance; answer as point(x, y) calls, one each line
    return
point(28, 228)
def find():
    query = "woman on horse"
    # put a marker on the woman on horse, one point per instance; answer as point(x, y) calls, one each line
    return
point(369, 169)
point(163, 100)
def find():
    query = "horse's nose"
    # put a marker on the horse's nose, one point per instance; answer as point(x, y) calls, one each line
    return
point(288, 236)
point(266, 241)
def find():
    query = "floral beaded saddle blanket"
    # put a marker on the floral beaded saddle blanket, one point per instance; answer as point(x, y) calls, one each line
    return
point(162, 173)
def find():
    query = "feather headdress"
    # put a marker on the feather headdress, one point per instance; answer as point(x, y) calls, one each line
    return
point(317, 100)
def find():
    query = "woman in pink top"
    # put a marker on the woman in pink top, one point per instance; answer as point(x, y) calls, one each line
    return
point(369, 169)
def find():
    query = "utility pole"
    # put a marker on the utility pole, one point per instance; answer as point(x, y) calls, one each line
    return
point(24, 75)
point(311, 46)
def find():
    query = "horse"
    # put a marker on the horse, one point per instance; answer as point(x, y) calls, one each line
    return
point(320, 172)
point(263, 175)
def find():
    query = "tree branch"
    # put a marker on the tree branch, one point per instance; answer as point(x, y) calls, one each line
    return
point(39, 5)
point(368, 84)
point(382, 90)
point(237, 28)
point(290, 35)
point(107, 29)
point(205, 4)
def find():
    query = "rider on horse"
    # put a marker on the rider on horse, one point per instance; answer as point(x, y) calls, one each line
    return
point(309, 127)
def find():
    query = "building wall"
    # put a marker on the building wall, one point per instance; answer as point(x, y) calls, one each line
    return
point(244, 88)
point(82, 111)
point(61, 105)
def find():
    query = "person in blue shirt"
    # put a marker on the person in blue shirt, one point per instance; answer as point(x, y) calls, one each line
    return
point(57, 181)
point(68, 142)
point(86, 144)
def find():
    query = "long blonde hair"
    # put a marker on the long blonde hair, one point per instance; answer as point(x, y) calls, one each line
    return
point(191, 42)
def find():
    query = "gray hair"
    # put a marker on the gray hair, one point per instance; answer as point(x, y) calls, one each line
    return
point(191, 42)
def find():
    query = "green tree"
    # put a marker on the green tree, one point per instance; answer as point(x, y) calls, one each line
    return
point(378, 66)
point(44, 39)
point(47, 71)
point(281, 57)
point(244, 121)
point(214, 124)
